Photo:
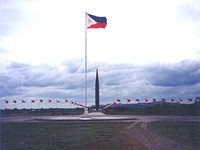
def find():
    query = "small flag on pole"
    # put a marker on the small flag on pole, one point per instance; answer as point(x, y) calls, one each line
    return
point(154, 100)
point(118, 101)
point(14, 101)
point(96, 22)
point(189, 100)
point(137, 100)
point(6, 101)
point(180, 100)
point(171, 100)
point(128, 100)
point(163, 100)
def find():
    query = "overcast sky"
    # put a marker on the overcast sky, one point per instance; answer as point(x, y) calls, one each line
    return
point(149, 49)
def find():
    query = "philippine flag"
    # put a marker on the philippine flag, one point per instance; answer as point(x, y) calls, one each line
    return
point(96, 22)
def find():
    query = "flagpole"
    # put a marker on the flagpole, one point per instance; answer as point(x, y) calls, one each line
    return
point(86, 59)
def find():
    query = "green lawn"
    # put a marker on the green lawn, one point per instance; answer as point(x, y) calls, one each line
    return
point(62, 135)
point(183, 132)
point(89, 135)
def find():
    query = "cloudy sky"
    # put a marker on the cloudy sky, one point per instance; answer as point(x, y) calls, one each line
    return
point(149, 49)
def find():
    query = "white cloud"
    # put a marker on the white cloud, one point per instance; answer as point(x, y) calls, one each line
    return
point(44, 33)
point(22, 81)
point(137, 32)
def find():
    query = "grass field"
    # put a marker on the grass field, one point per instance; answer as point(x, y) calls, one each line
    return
point(183, 132)
point(88, 135)
point(62, 135)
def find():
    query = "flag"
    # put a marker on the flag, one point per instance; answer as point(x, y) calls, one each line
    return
point(66, 100)
point(96, 22)
point(154, 100)
point(137, 100)
point(110, 105)
point(41, 100)
point(180, 100)
point(23, 101)
point(146, 100)
point(189, 100)
point(58, 101)
point(128, 100)
point(118, 100)
point(107, 106)
point(83, 106)
point(6, 101)
point(14, 101)
point(163, 100)
point(171, 100)
point(113, 104)
point(50, 100)
point(32, 101)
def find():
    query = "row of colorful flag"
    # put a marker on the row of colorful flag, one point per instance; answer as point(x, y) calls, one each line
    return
point(171, 100)
point(117, 101)
point(128, 101)
point(153, 100)
point(49, 101)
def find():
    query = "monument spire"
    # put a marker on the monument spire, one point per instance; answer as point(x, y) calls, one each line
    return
point(97, 91)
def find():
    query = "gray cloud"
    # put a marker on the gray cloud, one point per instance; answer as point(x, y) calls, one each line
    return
point(183, 73)
point(179, 80)
point(22, 75)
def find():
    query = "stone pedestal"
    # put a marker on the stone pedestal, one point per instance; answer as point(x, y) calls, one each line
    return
point(86, 114)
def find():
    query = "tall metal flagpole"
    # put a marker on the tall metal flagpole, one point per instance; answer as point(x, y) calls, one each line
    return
point(86, 59)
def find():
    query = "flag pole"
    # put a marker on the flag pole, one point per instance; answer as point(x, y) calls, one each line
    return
point(85, 58)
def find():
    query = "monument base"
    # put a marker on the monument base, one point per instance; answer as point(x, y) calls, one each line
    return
point(85, 114)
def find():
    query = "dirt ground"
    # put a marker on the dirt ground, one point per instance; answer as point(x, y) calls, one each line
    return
point(153, 141)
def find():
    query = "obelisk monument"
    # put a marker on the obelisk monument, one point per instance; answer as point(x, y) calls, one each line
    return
point(97, 91)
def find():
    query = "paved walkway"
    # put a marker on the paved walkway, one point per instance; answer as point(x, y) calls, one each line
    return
point(100, 117)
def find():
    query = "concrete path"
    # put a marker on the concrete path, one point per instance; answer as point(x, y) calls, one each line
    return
point(100, 117)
